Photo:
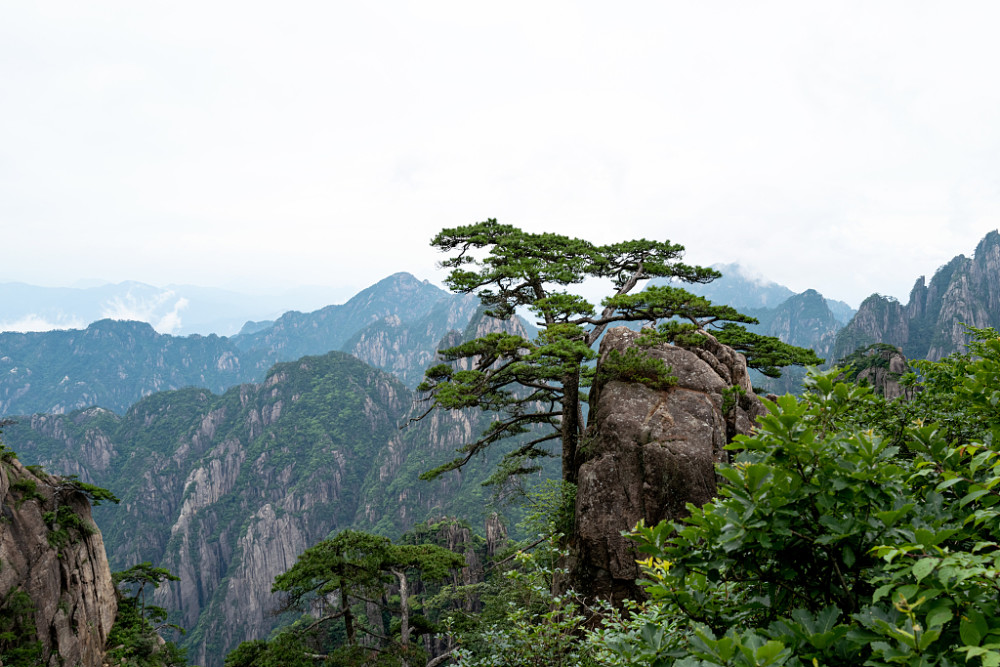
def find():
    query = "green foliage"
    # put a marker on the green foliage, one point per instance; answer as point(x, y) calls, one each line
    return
point(766, 354)
point(137, 577)
point(134, 638)
point(70, 484)
point(522, 621)
point(331, 579)
point(875, 355)
point(19, 644)
point(833, 543)
point(550, 509)
point(27, 489)
point(636, 365)
point(527, 624)
point(66, 526)
point(286, 648)
point(6, 455)
point(731, 398)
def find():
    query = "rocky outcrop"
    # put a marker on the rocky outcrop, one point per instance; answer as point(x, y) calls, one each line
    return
point(885, 378)
point(396, 498)
point(647, 453)
point(879, 366)
point(62, 569)
point(226, 491)
point(407, 348)
point(963, 292)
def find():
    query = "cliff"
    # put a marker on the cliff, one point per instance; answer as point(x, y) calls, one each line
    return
point(805, 320)
point(963, 292)
point(879, 366)
point(56, 593)
point(649, 452)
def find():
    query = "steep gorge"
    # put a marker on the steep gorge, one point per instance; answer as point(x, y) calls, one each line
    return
point(227, 490)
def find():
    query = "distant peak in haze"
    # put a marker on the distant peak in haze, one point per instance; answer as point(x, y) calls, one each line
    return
point(740, 287)
point(746, 273)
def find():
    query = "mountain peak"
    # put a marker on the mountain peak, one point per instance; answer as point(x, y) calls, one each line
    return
point(991, 240)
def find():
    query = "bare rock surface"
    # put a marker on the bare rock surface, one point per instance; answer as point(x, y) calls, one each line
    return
point(649, 452)
point(884, 376)
point(70, 585)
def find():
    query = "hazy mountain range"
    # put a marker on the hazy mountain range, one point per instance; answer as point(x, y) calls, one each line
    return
point(176, 309)
point(234, 453)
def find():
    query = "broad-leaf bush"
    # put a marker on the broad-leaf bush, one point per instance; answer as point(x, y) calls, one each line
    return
point(849, 531)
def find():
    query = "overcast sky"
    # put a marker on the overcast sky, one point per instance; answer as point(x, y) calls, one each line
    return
point(848, 147)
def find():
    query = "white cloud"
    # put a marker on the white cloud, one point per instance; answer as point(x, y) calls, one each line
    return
point(171, 322)
point(34, 322)
point(160, 309)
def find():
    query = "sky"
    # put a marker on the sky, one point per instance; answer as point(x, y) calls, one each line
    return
point(848, 147)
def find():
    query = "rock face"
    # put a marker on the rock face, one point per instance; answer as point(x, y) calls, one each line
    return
point(885, 373)
point(805, 320)
point(407, 348)
point(648, 453)
point(69, 583)
point(226, 491)
point(879, 366)
point(965, 291)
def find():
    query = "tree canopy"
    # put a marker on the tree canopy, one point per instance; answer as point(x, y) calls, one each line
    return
point(534, 386)
point(332, 578)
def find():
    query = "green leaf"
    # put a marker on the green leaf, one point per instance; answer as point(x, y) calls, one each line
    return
point(969, 633)
point(923, 567)
point(938, 617)
point(928, 637)
point(972, 496)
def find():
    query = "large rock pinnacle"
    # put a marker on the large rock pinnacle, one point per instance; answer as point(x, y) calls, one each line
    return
point(648, 453)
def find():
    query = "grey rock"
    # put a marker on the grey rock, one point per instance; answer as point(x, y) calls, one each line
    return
point(70, 587)
point(649, 452)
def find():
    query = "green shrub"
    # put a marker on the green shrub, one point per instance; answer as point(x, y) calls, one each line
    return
point(833, 544)
point(27, 489)
point(19, 645)
point(636, 365)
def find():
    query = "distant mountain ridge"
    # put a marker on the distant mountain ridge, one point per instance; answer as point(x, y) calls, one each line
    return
point(806, 319)
point(113, 364)
point(740, 289)
point(178, 310)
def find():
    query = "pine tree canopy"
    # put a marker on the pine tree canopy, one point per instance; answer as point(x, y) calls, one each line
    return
point(534, 386)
